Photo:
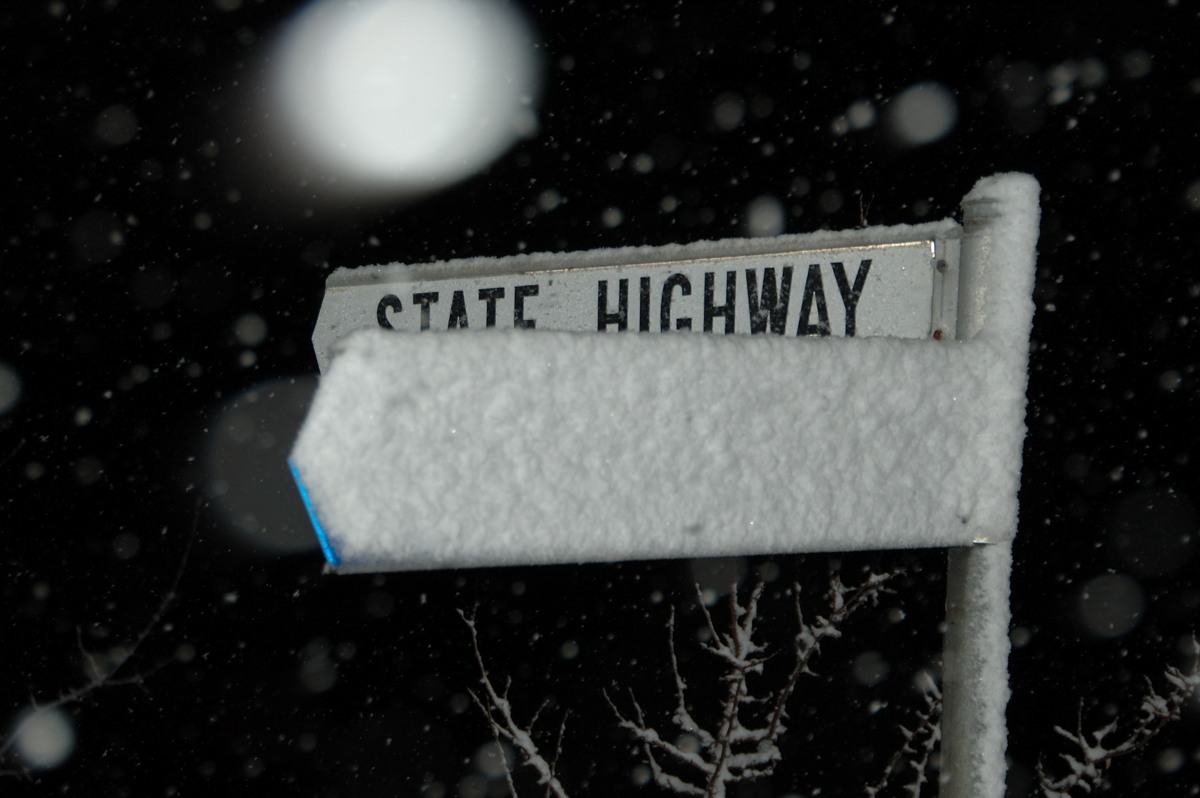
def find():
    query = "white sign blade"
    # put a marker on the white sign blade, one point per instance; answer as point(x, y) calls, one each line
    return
point(895, 290)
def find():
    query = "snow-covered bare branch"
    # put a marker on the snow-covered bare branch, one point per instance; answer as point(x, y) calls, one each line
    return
point(920, 744)
point(497, 710)
point(1095, 751)
point(101, 671)
point(742, 745)
point(739, 743)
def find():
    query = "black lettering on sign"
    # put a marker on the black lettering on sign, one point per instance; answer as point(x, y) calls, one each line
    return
point(711, 311)
point(644, 306)
point(813, 289)
point(772, 303)
point(425, 300)
point(389, 301)
point(458, 312)
point(490, 295)
point(664, 316)
point(768, 302)
point(850, 296)
point(520, 293)
point(620, 316)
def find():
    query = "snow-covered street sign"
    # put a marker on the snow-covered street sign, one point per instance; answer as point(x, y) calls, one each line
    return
point(881, 407)
point(899, 289)
point(855, 412)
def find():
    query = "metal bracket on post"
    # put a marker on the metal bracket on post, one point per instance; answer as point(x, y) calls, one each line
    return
point(976, 648)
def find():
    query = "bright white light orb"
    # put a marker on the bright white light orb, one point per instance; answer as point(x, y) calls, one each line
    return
point(409, 94)
point(44, 738)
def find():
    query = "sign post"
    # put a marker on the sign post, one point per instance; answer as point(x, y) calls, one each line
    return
point(975, 654)
point(864, 390)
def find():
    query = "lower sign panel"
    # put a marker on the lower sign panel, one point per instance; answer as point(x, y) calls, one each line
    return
point(449, 450)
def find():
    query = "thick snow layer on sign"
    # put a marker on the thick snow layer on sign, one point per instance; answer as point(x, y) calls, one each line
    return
point(500, 447)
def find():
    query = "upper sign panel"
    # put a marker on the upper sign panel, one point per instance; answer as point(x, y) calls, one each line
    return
point(898, 290)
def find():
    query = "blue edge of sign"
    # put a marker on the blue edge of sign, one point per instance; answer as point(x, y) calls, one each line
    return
point(326, 546)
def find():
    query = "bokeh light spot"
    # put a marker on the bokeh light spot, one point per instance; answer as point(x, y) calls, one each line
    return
point(250, 329)
point(1155, 532)
point(870, 668)
point(494, 759)
point(410, 95)
point(922, 114)
point(1111, 605)
point(44, 738)
point(765, 216)
point(318, 672)
point(1191, 196)
point(246, 463)
point(728, 111)
point(10, 388)
point(98, 236)
point(716, 576)
point(116, 125)
point(861, 114)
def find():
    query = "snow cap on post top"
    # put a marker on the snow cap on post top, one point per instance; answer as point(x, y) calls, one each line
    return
point(998, 303)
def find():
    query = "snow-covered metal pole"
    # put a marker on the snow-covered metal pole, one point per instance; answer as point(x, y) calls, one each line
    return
point(976, 673)
point(1000, 228)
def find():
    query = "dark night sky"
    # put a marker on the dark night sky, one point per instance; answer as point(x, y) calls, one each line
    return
point(160, 284)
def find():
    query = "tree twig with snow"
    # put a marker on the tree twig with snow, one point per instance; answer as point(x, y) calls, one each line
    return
point(101, 671)
point(920, 743)
point(742, 746)
point(497, 709)
point(1095, 751)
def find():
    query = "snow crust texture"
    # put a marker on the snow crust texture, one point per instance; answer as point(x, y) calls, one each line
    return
point(496, 447)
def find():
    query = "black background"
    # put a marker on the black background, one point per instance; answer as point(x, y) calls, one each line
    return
point(126, 270)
